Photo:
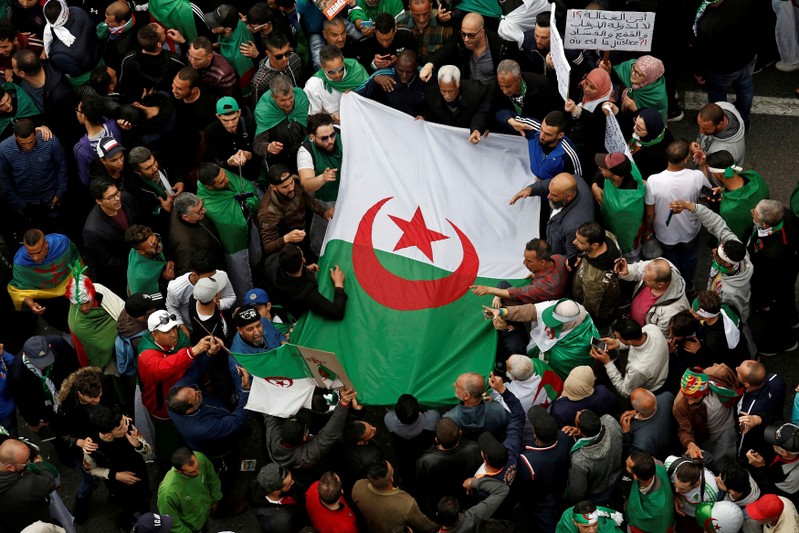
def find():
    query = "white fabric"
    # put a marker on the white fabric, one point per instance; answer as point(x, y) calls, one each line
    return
point(666, 187)
point(319, 99)
point(58, 28)
point(513, 25)
point(304, 159)
point(485, 176)
point(789, 519)
point(529, 393)
point(178, 295)
point(787, 30)
point(263, 397)
point(731, 330)
point(647, 365)
point(691, 499)
point(112, 303)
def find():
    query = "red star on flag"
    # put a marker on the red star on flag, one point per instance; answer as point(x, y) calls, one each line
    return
point(416, 233)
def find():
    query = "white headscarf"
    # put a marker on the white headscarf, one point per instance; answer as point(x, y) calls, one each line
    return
point(58, 28)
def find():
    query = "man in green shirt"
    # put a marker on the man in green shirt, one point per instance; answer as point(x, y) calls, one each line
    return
point(189, 492)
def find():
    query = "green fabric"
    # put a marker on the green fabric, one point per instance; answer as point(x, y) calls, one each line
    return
point(229, 48)
point(25, 105)
point(188, 500)
point(268, 114)
point(550, 382)
point(487, 8)
point(226, 214)
point(148, 343)
point(653, 95)
point(567, 525)
point(175, 14)
point(303, 50)
point(76, 82)
point(45, 275)
point(96, 331)
point(285, 361)
point(795, 200)
point(143, 273)
point(354, 76)
point(652, 512)
point(623, 211)
point(736, 206)
point(365, 12)
point(322, 160)
point(572, 350)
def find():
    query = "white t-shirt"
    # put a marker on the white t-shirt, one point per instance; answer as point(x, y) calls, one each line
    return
point(304, 159)
point(319, 99)
point(666, 187)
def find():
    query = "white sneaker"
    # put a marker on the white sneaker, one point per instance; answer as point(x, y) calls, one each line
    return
point(782, 66)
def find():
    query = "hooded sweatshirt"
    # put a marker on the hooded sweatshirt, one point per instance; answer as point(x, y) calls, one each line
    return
point(730, 139)
point(668, 304)
point(596, 465)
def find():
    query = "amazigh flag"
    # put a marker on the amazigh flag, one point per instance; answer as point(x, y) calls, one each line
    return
point(47, 279)
point(421, 216)
point(282, 382)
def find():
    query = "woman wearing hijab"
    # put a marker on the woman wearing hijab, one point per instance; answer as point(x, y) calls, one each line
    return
point(646, 86)
point(588, 132)
point(580, 393)
point(649, 141)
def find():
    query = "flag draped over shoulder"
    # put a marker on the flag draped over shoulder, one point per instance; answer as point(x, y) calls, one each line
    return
point(47, 279)
point(421, 216)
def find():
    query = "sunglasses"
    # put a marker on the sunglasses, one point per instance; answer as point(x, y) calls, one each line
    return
point(334, 71)
point(325, 138)
point(282, 56)
point(165, 319)
point(471, 35)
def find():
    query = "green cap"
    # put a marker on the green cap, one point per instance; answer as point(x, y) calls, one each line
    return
point(226, 105)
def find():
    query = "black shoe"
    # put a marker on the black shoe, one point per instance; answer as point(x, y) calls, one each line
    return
point(675, 114)
point(81, 510)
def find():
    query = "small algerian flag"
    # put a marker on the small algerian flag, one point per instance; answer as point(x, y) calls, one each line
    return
point(421, 216)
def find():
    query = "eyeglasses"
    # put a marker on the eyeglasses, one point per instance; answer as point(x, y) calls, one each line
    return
point(253, 27)
point(471, 35)
point(283, 55)
point(165, 319)
point(77, 110)
point(325, 138)
point(334, 71)
point(116, 196)
point(154, 245)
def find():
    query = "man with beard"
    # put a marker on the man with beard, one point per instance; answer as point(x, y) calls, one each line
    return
point(572, 205)
point(254, 334)
point(281, 213)
point(229, 139)
point(551, 152)
point(398, 87)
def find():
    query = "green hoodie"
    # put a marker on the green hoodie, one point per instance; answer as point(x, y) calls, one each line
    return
point(188, 500)
point(225, 212)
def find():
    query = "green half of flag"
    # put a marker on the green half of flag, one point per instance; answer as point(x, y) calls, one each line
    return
point(283, 362)
point(387, 352)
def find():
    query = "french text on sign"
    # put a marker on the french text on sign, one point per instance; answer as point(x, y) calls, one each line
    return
point(609, 30)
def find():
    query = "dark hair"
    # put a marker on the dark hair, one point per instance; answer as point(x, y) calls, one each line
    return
point(175, 403)
point(628, 329)
point(52, 10)
point(149, 37)
point(202, 262)
point(589, 423)
point(448, 433)
point(98, 187)
point(689, 472)
point(317, 121)
point(207, 173)
point(328, 53)
point(593, 232)
point(735, 250)
point(711, 113)
point(643, 464)
point(105, 419)
point(709, 301)
point(24, 128)
point(33, 236)
point(407, 408)
point(7, 31)
point(260, 13)
point(134, 115)
point(119, 10)
point(377, 472)
point(735, 477)
point(353, 432)
point(93, 108)
point(677, 151)
point(543, 19)
point(290, 259)
point(190, 75)
point(287, 4)
point(683, 324)
point(203, 43)
point(275, 41)
point(329, 488)
point(27, 62)
point(88, 383)
point(181, 457)
point(385, 23)
point(540, 247)
point(100, 80)
point(447, 511)
point(557, 119)
point(3, 92)
point(584, 507)
point(137, 234)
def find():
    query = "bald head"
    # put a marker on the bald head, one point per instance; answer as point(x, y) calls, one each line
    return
point(751, 373)
point(474, 21)
point(562, 189)
point(472, 383)
point(12, 453)
point(472, 34)
point(643, 401)
point(659, 270)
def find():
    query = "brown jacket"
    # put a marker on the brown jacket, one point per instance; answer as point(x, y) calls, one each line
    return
point(385, 510)
point(278, 215)
point(692, 419)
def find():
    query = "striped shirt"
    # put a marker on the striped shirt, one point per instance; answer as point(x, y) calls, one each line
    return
point(35, 177)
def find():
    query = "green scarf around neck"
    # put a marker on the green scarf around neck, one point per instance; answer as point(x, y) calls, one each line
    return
point(175, 14)
point(229, 48)
point(143, 272)
point(354, 76)
point(268, 114)
point(322, 160)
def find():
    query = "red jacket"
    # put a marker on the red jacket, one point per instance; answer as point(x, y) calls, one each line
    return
point(326, 520)
point(158, 372)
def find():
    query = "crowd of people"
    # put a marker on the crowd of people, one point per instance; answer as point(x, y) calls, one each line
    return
point(630, 389)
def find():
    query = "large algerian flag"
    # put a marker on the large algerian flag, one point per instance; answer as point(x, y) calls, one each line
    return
point(421, 215)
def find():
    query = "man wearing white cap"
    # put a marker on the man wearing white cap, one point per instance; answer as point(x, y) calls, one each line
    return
point(561, 331)
point(164, 356)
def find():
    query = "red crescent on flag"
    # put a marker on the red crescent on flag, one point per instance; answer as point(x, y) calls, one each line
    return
point(402, 294)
